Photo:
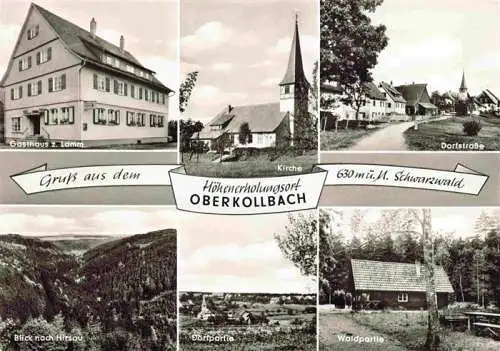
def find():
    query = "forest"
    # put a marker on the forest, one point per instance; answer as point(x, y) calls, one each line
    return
point(472, 262)
point(120, 295)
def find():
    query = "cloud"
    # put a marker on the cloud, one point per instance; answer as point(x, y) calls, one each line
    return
point(19, 223)
point(8, 37)
point(487, 62)
point(113, 36)
point(222, 66)
point(264, 63)
point(309, 45)
point(232, 253)
point(270, 82)
point(207, 37)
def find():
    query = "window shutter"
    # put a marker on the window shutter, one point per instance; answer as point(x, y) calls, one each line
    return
point(143, 122)
point(95, 81)
point(38, 58)
point(163, 98)
point(51, 86)
point(39, 87)
point(71, 115)
point(12, 94)
point(29, 89)
point(29, 61)
point(107, 84)
point(63, 82)
point(95, 116)
point(150, 120)
point(37, 29)
point(20, 91)
point(132, 91)
point(140, 93)
point(20, 65)
point(125, 87)
point(115, 86)
point(46, 117)
point(117, 117)
point(49, 54)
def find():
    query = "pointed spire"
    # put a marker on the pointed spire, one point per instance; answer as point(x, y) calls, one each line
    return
point(295, 69)
point(463, 86)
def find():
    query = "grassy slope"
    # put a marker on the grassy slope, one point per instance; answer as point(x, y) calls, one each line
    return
point(342, 139)
point(429, 136)
point(255, 166)
point(410, 329)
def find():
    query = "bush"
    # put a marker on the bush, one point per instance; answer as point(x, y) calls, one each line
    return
point(472, 128)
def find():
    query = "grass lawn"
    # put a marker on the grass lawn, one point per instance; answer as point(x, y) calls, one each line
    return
point(410, 329)
point(344, 138)
point(146, 146)
point(255, 166)
point(429, 136)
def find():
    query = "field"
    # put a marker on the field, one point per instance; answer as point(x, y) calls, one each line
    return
point(400, 331)
point(272, 326)
point(254, 166)
point(429, 136)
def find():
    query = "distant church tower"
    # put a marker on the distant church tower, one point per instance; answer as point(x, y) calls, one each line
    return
point(462, 103)
point(294, 87)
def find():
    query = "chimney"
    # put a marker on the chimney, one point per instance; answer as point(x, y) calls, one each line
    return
point(229, 108)
point(122, 43)
point(391, 83)
point(93, 26)
point(417, 268)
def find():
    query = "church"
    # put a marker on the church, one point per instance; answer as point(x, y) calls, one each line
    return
point(268, 125)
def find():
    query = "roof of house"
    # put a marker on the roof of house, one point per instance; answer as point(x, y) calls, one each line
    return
point(260, 118)
point(491, 96)
point(463, 86)
point(82, 43)
point(392, 92)
point(373, 92)
point(295, 69)
point(330, 88)
point(395, 276)
point(412, 92)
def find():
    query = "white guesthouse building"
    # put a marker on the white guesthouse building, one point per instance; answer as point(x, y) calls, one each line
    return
point(64, 83)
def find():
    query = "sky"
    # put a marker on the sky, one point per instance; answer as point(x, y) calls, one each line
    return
point(93, 220)
point(434, 41)
point(236, 254)
point(457, 221)
point(240, 49)
point(151, 37)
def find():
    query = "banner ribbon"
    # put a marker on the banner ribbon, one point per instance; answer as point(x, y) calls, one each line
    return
point(235, 196)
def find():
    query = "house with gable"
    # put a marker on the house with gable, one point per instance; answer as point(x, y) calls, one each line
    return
point(374, 104)
point(64, 83)
point(418, 101)
point(270, 124)
point(488, 101)
point(398, 285)
point(396, 103)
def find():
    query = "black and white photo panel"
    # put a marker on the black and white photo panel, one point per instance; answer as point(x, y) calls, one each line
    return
point(248, 282)
point(89, 74)
point(88, 278)
point(409, 278)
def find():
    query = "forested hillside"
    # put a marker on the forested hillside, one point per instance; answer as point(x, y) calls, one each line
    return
point(118, 295)
point(472, 263)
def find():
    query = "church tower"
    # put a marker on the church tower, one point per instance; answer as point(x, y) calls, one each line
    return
point(462, 105)
point(463, 86)
point(294, 87)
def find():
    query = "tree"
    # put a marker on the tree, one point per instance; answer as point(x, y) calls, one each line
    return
point(172, 129)
point(187, 128)
point(299, 242)
point(186, 89)
point(350, 45)
point(245, 134)
point(222, 143)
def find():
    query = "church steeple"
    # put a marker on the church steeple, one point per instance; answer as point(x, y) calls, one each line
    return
point(463, 86)
point(295, 70)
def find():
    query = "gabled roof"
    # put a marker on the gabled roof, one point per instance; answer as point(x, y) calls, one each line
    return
point(491, 96)
point(83, 44)
point(373, 92)
point(295, 69)
point(392, 92)
point(412, 92)
point(330, 88)
point(395, 276)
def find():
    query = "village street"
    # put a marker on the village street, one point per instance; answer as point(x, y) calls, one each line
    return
point(333, 326)
point(390, 138)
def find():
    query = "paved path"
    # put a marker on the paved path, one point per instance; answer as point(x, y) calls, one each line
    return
point(390, 138)
point(334, 326)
